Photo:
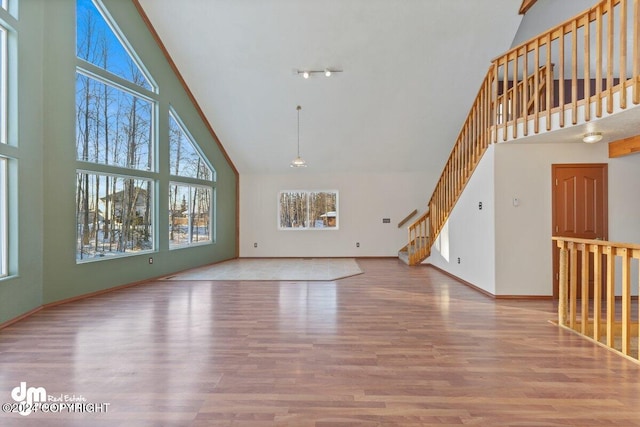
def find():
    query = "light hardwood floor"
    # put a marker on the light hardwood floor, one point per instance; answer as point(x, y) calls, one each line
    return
point(396, 345)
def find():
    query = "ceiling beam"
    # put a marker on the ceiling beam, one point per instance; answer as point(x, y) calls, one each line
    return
point(624, 147)
point(526, 5)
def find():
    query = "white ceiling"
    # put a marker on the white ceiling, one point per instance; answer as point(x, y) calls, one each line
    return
point(411, 71)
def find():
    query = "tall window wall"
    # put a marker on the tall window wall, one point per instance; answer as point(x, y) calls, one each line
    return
point(118, 173)
point(9, 149)
point(115, 142)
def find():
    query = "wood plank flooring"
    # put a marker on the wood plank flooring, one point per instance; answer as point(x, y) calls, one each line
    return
point(395, 346)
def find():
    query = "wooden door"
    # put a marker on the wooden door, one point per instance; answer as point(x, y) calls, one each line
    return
point(579, 205)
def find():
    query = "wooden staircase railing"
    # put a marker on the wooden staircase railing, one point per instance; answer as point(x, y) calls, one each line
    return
point(575, 67)
point(419, 244)
point(587, 300)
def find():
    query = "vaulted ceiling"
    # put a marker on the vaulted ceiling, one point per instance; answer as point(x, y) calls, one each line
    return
point(411, 70)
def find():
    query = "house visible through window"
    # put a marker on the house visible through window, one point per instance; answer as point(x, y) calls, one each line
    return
point(308, 210)
point(115, 141)
point(115, 215)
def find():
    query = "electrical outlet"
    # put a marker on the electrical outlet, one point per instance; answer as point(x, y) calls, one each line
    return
point(255, 245)
point(458, 260)
point(357, 244)
point(150, 260)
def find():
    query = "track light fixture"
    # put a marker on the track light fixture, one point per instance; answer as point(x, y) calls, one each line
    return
point(328, 72)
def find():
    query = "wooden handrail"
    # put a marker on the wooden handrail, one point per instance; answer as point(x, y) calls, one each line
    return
point(419, 242)
point(525, 6)
point(407, 218)
point(538, 78)
point(582, 311)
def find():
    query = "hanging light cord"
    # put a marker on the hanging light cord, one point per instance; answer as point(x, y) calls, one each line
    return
point(298, 162)
point(298, 108)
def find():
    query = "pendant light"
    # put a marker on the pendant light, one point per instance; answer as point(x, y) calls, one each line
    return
point(298, 162)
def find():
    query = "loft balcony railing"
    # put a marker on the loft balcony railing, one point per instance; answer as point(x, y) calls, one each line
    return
point(582, 69)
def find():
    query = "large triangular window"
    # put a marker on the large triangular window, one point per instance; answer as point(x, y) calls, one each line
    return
point(99, 43)
point(191, 189)
point(185, 158)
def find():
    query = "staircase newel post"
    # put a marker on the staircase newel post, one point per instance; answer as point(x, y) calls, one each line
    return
point(563, 288)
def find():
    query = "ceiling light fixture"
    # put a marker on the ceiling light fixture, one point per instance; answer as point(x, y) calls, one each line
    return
point(328, 72)
point(298, 162)
point(592, 137)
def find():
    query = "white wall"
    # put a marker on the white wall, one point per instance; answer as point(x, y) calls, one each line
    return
point(624, 199)
point(506, 249)
point(624, 210)
point(364, 200)
point(471, 231)
point(523, 233)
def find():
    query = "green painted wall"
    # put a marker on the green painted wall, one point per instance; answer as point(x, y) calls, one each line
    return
point(22, 291)
point(47, 268)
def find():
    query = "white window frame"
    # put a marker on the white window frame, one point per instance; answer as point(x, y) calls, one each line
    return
point(93, 168)
point(193, 182)
point(9, 150)
point(3, 84)
point(152, 215)
point(191, 243)
point(173, 115)
point(4, 216)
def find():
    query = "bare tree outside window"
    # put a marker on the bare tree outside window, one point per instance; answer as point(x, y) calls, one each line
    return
point(190, 205)
point(178, 215)
point(184, 159)
point(116, 103)
point(118, 218)
point(306, 210)
point(114, 129)
point(97, 43)
point(113, 126)
point(189, 214)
